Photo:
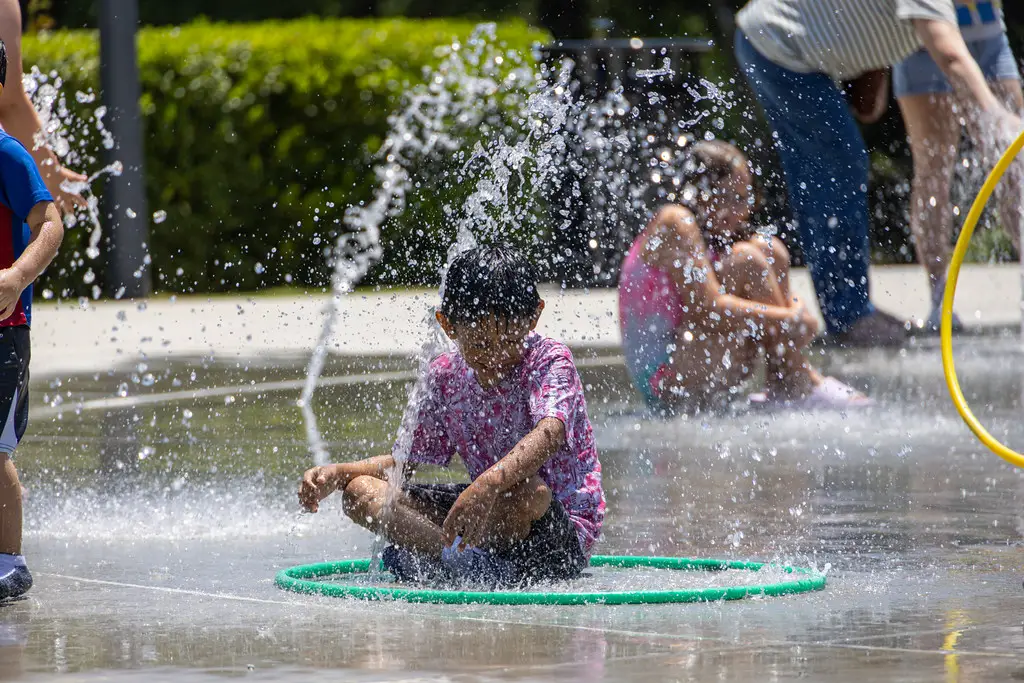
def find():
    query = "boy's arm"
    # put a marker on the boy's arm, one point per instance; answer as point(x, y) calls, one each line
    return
point(47, 232)
point(320, 482)
point(467, 517)
point(526, 457)
point(19, 117)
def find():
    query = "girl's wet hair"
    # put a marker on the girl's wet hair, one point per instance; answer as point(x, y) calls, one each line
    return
point(493, 280)
point(709, 164)
point(702, 167)
point(707, 171)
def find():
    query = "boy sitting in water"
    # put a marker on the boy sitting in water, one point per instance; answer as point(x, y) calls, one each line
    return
point(701, 296)
point(30, 234)
point(509, 401)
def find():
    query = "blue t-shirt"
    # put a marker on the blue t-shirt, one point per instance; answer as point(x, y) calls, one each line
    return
point(21, 188)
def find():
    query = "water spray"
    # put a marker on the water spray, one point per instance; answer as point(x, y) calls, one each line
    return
point(946, 327)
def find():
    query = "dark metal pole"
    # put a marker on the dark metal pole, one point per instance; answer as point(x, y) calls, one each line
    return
point(124, 198)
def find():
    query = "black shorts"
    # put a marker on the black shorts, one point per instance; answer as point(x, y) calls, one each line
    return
point(550, 553)
point(14, 357)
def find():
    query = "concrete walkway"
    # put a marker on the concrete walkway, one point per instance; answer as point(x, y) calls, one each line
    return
point(96, 337)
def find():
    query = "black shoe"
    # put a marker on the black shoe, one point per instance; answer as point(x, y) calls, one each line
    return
point(879, 329)
point(15, 583)
point(409, 567)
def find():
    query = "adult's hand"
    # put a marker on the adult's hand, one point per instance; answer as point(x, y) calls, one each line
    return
point(65, 186)
point(868, 96)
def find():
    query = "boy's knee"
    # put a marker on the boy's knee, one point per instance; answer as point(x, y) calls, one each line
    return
point(359, 498)
point(540, 497)
point(531, 498)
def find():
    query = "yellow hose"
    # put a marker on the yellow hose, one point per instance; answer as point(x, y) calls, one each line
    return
point(946, 329)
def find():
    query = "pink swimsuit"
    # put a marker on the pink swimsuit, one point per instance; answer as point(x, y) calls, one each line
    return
point(650, 311)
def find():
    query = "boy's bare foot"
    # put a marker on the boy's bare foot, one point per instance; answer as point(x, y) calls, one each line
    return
point(878, 329)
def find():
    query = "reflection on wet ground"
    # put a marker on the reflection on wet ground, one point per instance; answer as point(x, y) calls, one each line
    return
point(155, 527)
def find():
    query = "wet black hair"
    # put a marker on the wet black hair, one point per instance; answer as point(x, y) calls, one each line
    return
point(493, 280)
point(3, 64)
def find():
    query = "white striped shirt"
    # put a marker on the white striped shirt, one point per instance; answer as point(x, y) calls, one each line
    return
point(841, 38)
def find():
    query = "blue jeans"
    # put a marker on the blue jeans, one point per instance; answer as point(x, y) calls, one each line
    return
point(825, 164)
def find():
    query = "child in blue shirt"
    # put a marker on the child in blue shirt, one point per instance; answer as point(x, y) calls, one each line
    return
point(30, 234)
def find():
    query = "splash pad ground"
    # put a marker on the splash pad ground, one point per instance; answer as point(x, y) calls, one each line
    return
point(166, 573)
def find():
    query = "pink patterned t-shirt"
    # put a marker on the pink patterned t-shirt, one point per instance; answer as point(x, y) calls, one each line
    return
point(482, 425)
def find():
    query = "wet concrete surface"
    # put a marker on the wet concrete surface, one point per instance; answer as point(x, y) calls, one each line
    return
point(155, 531)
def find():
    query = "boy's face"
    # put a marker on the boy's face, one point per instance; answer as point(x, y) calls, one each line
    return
point(491, 346)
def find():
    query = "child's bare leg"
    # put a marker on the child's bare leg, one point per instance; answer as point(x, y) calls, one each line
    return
point(750, 271)
point(515, 511)
point(1010, 210)
point(777, 256)
point(10, 508)
point(363, 502)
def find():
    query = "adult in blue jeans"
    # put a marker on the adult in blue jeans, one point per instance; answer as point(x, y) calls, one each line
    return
point(794, 53)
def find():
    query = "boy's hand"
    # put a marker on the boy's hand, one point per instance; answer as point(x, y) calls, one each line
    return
point(12, 284)
point(317, 483)
point(468, 517)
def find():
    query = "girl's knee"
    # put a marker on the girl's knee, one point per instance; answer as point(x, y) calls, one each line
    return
point(775, 252)
point(747, 259)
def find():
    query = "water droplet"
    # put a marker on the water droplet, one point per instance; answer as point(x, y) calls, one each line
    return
point(159, 216)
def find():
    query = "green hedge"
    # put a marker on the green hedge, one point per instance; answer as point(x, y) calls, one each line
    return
point(257, 138)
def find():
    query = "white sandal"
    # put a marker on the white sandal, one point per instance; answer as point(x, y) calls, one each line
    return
point(830, 394)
